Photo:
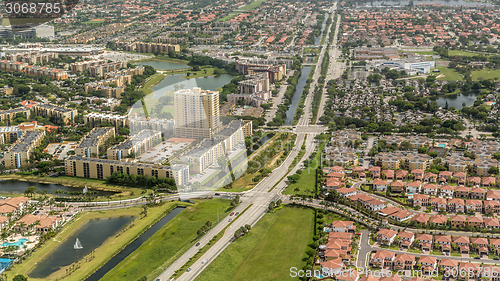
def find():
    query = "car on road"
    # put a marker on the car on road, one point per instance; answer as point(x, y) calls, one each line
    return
point(230, 220)
point(496, 259)
point(189, 269)
point(203, 261)
point(237, 213)
point(232, 213)
point(197, 244)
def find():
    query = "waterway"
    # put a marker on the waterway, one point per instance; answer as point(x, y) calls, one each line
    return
point(301, 83)
point(91, 235)
point(134, 245)
point(318, 39)
point(176, 81)
point(457, 101)
point(18, 187)
point(163, 65)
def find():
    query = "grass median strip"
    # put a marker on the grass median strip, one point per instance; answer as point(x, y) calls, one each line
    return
point(169, 243)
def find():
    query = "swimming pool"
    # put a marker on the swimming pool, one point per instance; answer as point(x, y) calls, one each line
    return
point(443, 145)
point(18, 243)
point(4, 263)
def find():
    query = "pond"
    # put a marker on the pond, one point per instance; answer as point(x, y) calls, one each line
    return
point(163, 65)
point(18, 187)
point(456, 101)
point(176, 81)
point(91, 235)
point(134, 245)
point(301, 83)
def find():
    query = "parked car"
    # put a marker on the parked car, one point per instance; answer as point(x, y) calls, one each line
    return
point(197, 244)
point(232, 213)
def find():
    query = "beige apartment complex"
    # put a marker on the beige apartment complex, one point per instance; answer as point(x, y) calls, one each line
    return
point(196, 113)
point(20, 152)
point(79, 166)
point(95, 119)
point(6, 116)
point(58, 113)
point(90, 144)
point(135, 145)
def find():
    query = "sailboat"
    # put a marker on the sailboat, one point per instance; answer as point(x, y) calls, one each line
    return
point(78, 244)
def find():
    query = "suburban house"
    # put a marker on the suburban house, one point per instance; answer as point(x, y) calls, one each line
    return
point(383, 258)
point(386, 236)
point(379, 185)
point(406, 238)
point(425, 241)
point(430, 189)
point(413, 187)
point(447, 191)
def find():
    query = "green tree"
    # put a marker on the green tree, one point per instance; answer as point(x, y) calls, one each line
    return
point(20, 277)
point(30, 191)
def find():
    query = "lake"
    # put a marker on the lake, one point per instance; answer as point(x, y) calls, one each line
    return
point(456, 101)
point(18, 187)
point(134, 245)
point(163, 65)
point(301, 83)
point(91, 235)
point(176, 81)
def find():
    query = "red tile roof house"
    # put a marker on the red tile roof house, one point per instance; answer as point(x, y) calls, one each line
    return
point(404, 261)
point(386, 236)
point(493, 195)
point(13, 205)
point(474, 181)
point(388, 211)
point(496, 244)
point(438, 204)
point(406, 238)
point(418, 174)
point(379, 185)
point(461, 177)
point(447, 265)
point(439, 220)
point(488, 181)
point(337, 169)
point(413, 187)
point(425, 241)
point(369, 202)
point(480, 245)
point(347, 192)
point(333, 184)
point(397, 187)
point(401, 215)
point(428, 264)
point(491, 223)
point(473, 205)
point(382, 258)
point(388, 174)
point(477, 193)
point(421, 200)
point(342, 226)
point(444, 242)
point(456, 205)
point(430, 177)
point(462, 192)
point(491, 206)
point(447, 191)
point(430, 189)
point(421, 218)
point(333, 266)
point(445, 174)
point(458, 221)
point(475, 221)
point(375, 171)
point(469, 267)
point(401, 174)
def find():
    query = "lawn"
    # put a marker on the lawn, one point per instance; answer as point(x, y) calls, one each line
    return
point(448, 74)
point(151, 82)
point(169, 243)
point(461, 53)
point(228, 17)
point(252, 5)
point(305, 184)
point(485, 74)
point(102, 254)
point(264, 254)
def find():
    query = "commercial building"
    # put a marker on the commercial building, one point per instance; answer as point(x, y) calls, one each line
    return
point(362, 53)
point(96, 119)
point(58, 114)
point(95, 168)
point(135, 145)
point(90, 144)
point(6, 116)
point(254, 90)
point(411, 66)
point(196, 113)
point(20, 152)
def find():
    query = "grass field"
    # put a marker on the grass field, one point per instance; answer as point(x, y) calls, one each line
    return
point(153, 81)
point(228, 17)
point(305, 184)
point(109, 248)
point(448, 74)
point(276, 243)
point(461, 53)
point(485, 74)
point(169, 243)
point(252, 5)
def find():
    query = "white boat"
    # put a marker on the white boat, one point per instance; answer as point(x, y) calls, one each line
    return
point(78, 244)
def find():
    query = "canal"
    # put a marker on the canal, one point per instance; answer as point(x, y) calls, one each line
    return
point(301, 83)
point(18, 187)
